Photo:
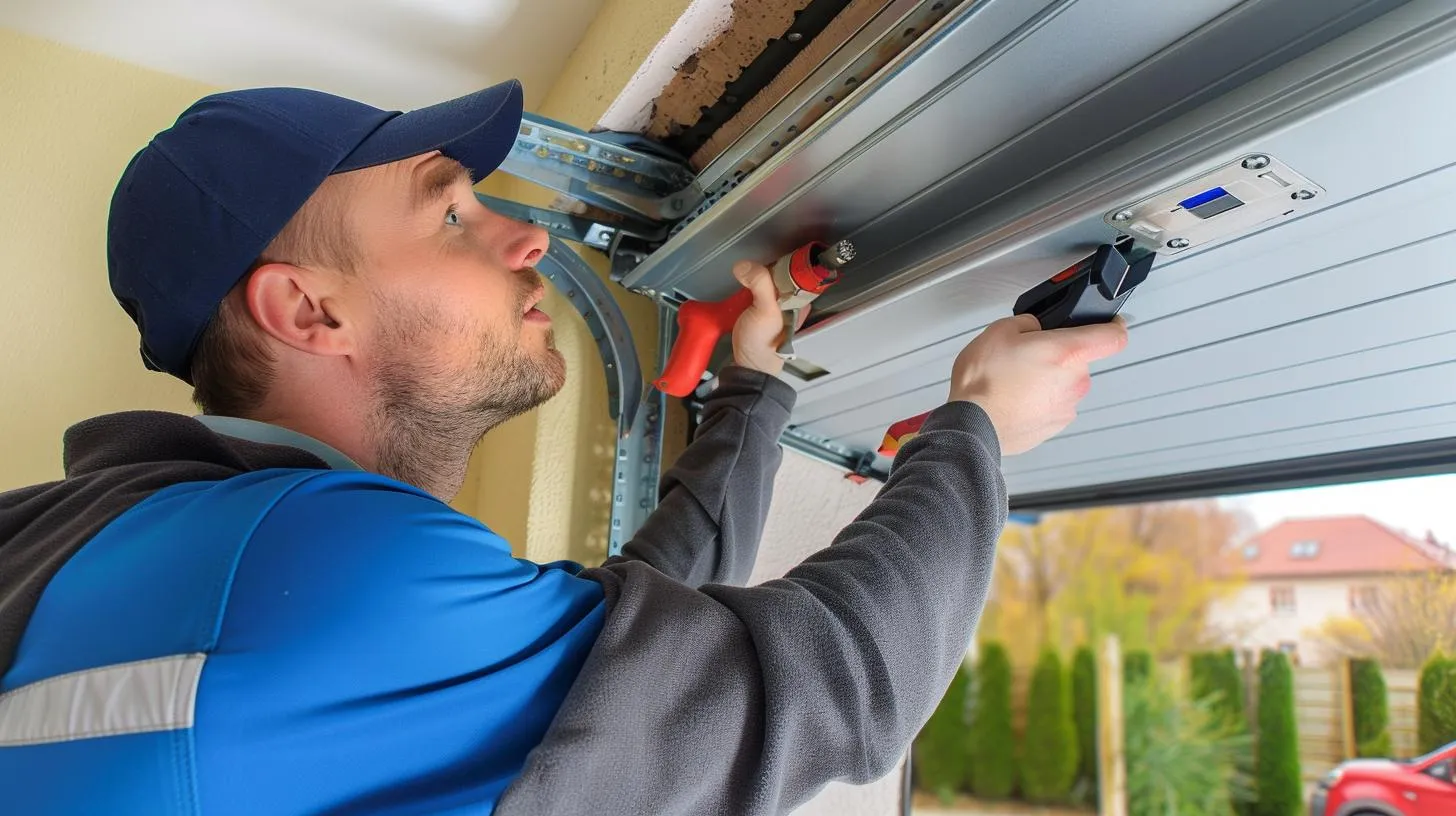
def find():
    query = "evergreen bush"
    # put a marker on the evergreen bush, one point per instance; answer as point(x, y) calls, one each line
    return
point(993, 763)
point(1049, 758)
point(1277, 786)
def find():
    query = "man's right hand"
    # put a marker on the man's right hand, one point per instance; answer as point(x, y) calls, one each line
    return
point(1029, 381)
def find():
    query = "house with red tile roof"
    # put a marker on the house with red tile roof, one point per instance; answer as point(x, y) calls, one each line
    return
point(1301, 573)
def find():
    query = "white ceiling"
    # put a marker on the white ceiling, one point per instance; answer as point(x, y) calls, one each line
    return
point(396, 54)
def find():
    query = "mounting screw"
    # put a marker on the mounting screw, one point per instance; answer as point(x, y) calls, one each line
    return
point(1123, 215)
point(794, 36)
point(840, 254)
point(1256, 162)
point(1179, 243)
point(1303, 195)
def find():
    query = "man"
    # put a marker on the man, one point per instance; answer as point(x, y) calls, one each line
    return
point(270, 608)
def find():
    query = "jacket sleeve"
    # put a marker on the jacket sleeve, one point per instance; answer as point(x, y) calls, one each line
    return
point(749, 700)
point(714, 500)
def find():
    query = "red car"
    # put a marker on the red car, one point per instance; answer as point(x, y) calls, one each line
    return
point(1424, 786)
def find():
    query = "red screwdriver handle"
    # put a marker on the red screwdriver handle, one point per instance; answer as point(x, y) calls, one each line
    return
point(700, 324)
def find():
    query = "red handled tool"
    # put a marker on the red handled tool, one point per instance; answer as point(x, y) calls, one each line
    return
point(800, 276)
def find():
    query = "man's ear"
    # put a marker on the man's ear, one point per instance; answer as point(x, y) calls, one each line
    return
point(298, 307)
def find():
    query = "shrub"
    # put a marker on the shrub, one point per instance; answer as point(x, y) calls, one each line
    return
point(1367, 698)
point(1137, 666)
point(1277, 785)
point(1436, 720)
point(1084, 714)
point(1215, 677)
point(1182, 756)
point(1049, 761)
point(941, 760)
point(993, 764)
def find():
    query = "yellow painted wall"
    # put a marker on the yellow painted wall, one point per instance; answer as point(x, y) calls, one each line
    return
point(71, 121)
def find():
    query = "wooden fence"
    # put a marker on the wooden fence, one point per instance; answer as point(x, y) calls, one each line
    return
point(1400, 695)
point(1324, 714)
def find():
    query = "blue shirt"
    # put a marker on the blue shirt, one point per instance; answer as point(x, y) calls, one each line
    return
point(290, 641)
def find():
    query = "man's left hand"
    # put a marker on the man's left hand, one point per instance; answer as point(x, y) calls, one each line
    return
point(760, 328)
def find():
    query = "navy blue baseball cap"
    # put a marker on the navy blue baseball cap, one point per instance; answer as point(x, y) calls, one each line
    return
point(200, 203)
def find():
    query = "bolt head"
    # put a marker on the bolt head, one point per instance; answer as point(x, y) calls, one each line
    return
point(1302, 195)
point(1123, 215)
point(1256, 162)
point(1179, 243)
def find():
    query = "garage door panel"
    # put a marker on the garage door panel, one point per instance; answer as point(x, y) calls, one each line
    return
point(871, 385)
point(1344, 285)
point(1411, 426)
point(1389, 393)
point(1210, 297)
point(1356, 222)
point(1351, 344)
point(1374, 385)
point(1397, 320)
point(1431, 350)
point(946, 309)
point(873, 417)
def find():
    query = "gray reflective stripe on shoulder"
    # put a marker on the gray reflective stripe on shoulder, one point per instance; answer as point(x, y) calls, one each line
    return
point(126, 698)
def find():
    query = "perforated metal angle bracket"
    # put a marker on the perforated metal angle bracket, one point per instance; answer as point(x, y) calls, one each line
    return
point(617, 172)
point(638, 466)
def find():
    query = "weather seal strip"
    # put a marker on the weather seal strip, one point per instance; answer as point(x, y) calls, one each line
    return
point(1424, 458)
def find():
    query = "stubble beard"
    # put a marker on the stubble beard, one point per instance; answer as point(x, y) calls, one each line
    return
point(429, 415)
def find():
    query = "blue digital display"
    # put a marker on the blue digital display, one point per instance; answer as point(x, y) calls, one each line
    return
point(1203, 198)
point(1209, 203)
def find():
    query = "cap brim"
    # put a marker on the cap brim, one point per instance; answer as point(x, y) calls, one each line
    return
point(477, 130)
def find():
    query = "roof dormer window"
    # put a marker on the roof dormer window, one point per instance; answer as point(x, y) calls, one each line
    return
point(1304, 549)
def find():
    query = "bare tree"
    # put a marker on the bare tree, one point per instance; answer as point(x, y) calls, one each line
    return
point(1401, 624)
point(1147, 573)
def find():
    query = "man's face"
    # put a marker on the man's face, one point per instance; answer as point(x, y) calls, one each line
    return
point(453, 336)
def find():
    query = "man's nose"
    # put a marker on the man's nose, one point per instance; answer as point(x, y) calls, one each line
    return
point(525, 244)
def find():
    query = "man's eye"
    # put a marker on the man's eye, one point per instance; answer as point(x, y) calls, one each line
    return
point(452, 218)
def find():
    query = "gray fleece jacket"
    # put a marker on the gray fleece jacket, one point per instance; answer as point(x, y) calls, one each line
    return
point(704, 696)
